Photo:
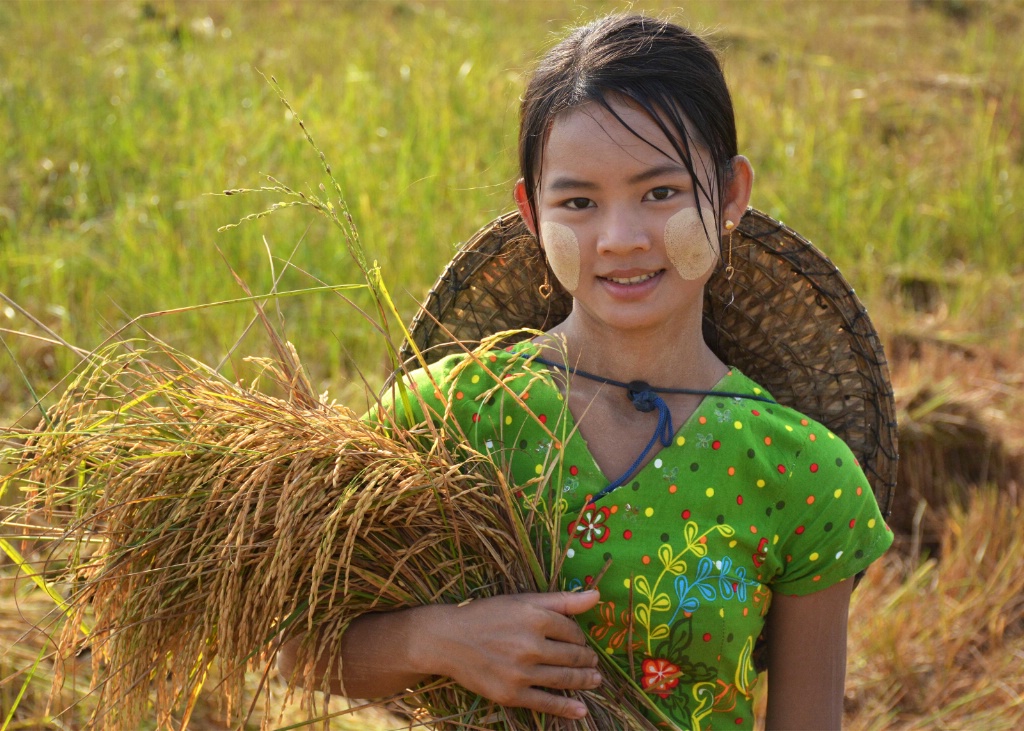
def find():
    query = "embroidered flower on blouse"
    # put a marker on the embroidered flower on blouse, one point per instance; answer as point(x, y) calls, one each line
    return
point(591, 528)
point(723, 415)
point(617, 631)
point(660, 676)
point(761, 553)
point(704, 440)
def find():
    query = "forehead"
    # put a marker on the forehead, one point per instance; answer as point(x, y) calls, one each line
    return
point(623, 139)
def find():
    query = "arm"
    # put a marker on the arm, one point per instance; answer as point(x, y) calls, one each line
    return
point(501, 647)
point(807, 659)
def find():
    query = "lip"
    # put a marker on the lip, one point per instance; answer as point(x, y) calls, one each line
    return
point(636, 290)
point(630, 273)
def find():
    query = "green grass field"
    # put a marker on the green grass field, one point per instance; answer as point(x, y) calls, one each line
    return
point(890, 133)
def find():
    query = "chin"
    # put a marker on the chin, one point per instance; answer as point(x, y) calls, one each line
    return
point(631, 322)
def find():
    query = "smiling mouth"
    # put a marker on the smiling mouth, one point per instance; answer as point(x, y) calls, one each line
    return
point(634, 280)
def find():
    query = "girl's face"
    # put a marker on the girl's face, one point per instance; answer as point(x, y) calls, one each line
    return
point(618, 220)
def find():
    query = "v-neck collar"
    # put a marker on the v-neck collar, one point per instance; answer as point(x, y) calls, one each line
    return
point(573, 427)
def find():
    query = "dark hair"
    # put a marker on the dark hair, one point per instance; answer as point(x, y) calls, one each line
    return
point(662, 68)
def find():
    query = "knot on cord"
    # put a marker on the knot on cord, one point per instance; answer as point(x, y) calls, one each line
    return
point(643, 397)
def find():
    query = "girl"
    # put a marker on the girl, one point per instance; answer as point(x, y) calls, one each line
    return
point(749, 517)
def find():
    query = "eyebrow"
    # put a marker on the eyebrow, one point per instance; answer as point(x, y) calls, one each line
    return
point(658, 171)
point(567, 183)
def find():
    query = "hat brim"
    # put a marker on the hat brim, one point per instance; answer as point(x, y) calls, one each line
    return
point(787, 318)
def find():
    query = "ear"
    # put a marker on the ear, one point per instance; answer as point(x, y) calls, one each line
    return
point(737, 190)
point(523, 203)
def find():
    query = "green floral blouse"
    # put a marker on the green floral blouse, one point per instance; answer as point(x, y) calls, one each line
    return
point(749, 498)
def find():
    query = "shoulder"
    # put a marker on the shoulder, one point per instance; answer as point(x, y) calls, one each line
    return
point(777, 430)
point(824, 514)
point(452, 384)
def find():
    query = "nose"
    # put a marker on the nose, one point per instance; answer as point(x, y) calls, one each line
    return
point(623, 231)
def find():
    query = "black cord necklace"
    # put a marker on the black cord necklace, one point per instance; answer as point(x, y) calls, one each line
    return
point(645, 398)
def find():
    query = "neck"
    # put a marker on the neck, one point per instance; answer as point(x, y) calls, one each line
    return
point(676, 357)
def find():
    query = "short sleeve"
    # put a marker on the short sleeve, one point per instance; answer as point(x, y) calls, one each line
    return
point(479, 403)
point(448, 396)
point(423, 397)
point(836, 529)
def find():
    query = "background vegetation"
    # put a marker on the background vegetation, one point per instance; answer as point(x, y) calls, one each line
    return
point(890, 133)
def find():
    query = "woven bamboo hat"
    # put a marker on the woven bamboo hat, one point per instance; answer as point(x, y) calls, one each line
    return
point(787, 318)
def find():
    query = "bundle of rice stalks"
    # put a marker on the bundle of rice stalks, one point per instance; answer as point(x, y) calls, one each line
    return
point(196, 521)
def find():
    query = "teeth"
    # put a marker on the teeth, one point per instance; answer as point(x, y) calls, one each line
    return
point(632, 280)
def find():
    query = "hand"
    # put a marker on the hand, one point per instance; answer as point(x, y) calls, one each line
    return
point(505, 648)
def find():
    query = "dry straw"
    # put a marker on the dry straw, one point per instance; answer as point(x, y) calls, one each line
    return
point(199, 521)
point(958, 413)
point(938, 645)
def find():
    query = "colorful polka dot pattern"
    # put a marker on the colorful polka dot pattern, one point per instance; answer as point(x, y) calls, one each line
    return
point(748, 499)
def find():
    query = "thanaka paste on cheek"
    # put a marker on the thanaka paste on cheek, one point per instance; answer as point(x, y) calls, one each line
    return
point(562, 249)
point(687, 245)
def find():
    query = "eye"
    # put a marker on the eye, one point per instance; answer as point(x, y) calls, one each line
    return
point(577, 204)
point(660, 193)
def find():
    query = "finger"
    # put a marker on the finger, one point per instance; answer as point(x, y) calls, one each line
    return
point(564, 629)
point(565, 678)
point(555, 705)
point(568, 603)
point(567, 655)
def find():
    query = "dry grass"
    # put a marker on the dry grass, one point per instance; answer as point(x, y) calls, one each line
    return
point(27, 621)
point(958, 409)
point(939, 645)
point(937, 630)
point(195, 521)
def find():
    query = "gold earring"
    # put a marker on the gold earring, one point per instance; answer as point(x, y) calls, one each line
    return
point(545, 289)
point(729, 226)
